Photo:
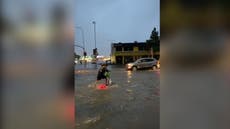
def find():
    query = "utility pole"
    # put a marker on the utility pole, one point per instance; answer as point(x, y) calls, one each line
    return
point(95, 40)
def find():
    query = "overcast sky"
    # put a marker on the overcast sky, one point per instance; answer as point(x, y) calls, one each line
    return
point(116, 21)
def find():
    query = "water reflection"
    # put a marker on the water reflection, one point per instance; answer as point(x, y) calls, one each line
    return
point(129, 76)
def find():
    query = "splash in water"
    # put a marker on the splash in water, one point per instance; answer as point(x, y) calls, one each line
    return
point(102, 87)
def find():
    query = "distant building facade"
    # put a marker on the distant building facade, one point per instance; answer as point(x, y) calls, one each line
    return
point(122, 53)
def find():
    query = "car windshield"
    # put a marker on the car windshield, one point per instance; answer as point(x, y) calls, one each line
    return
point(144, 60)
point(139, 60)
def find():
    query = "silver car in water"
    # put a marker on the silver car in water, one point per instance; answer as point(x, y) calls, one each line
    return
point(142, 63)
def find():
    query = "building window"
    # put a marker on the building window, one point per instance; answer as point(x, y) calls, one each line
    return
point(128, 59)
point(142, 48)
point(118, 48)
point(128, 48)
point(145, 56)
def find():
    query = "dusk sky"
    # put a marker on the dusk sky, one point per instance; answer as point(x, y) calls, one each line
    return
point(116, 21)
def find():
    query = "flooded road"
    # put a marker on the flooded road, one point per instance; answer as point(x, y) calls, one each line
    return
point(131, 102)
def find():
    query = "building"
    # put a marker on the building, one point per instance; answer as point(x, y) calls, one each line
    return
point(122, 53)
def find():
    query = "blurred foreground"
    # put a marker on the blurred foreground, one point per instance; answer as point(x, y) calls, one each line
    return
point(37, 64)
point(195, 64)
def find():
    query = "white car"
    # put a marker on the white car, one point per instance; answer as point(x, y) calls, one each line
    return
point(142, 63)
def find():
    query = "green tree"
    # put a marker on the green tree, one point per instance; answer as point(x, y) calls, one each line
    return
point(154, 42)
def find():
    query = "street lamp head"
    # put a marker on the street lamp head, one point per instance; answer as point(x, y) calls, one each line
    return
point(94, 22)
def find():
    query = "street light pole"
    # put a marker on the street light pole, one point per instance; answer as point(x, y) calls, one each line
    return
point(83, 40)
point(94, 23)
point(83, 37)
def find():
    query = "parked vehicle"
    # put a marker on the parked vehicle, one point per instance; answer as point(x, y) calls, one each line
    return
point(142, 63)
point(158, 64)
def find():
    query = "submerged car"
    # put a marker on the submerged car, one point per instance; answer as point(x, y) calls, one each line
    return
point(143, 63)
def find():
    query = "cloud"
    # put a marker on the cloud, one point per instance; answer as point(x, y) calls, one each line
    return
point(120, 20)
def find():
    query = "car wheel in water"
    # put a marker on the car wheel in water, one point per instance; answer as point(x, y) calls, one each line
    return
point(154, 67)
point(134, 68)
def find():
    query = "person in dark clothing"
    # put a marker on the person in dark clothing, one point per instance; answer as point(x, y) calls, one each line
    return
point(103, 73)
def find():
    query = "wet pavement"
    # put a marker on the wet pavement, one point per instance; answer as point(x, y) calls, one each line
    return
point(131, 102)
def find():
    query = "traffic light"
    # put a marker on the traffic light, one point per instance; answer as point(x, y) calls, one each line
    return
point(85, 54)
point(95, 51)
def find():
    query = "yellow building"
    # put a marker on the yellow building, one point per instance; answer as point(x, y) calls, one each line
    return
point(122, 53)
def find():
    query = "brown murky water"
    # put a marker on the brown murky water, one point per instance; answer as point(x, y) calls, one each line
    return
point(131, 102)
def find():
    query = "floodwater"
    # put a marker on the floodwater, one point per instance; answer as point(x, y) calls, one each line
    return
point(131, 102)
